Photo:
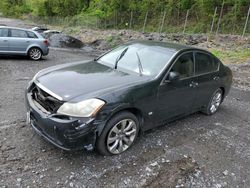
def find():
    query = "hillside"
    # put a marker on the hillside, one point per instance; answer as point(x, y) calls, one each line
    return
point(191, 16)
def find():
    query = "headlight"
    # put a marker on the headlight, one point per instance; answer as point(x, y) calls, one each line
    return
point(85, 108)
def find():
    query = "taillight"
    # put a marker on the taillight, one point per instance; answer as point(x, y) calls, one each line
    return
point(46, 42)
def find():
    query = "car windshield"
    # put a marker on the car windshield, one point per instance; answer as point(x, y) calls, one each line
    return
point(139, 58)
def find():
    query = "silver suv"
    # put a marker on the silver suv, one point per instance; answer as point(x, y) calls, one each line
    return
point(17, 41)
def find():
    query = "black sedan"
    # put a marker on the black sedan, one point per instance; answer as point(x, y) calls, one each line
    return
point(106, 102)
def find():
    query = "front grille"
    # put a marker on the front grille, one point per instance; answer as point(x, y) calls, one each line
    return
point(48, 102)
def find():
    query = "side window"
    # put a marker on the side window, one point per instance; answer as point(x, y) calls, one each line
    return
point(204, 63)
point(4, 32)
point(31, 35)
point(184, 65)
point(216, 63)
point(18, 33)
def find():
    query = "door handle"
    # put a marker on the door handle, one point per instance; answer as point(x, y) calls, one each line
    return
point(5, 40)
point(28, 41)
point(193, 84)
point(216, 78)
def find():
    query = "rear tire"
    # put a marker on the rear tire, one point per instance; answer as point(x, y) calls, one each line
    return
point(119, 134)
point(35, 54)
point(214, 102)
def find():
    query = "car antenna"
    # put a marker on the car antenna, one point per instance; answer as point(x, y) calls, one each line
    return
point(139, 64)
point(120, 56)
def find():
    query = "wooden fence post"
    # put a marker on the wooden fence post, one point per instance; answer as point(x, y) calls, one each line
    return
point(159, 26)
point(221, 12)
point(163, 21)
point(186, 21)
point(245, 27)
point(212, 26)
point(131, 19)
point(145, 21)
point(116, 19)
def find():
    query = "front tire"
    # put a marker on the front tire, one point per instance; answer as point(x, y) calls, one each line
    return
point(214, 102)
point(35, 54)
point(119, 134)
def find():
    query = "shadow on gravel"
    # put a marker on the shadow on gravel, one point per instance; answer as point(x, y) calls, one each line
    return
point(18, 57)
point(175, 124)
point(175, 133)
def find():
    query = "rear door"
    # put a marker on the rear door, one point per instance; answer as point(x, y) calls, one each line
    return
point(18, 41)
point(4, 39)
point(176, 98)
point(207, 72)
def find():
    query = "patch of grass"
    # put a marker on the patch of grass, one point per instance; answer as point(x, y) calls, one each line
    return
point(114, 41)
point(73, 30)
point(232, 56)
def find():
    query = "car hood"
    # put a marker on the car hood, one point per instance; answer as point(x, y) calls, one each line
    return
point(90, 79)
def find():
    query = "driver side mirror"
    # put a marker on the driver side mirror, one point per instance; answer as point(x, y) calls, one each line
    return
point(173, 76)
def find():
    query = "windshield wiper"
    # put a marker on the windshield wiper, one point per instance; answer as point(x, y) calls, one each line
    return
point(120, 56)
point(139, 64)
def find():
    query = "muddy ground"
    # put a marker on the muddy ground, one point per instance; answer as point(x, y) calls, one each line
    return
point(196, 151)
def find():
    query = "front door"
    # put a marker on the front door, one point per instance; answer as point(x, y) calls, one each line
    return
point(176, 98)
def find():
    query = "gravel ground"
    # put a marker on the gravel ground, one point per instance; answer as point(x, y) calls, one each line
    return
point(197, 151)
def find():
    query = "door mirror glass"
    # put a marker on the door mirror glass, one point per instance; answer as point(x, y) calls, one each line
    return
point(173, 76)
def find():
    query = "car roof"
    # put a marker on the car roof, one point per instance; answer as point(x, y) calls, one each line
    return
point(8, 27)
point(174, 47)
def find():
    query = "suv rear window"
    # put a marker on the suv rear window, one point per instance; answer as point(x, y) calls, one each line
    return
point(3, 32)
point(31, 34)
point(204, 63)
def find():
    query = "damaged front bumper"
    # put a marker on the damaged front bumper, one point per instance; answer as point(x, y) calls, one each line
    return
point(64, 132)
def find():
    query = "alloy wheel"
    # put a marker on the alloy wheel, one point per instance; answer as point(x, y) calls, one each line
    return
point(121, 136)
point(215, 103)
point(35, 54)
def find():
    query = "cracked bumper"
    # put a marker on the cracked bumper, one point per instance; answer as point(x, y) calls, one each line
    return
point(67, 134)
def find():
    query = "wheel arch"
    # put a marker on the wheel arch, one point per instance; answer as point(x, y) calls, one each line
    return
point(223, 92)
point(135, 111)
point(33, 46)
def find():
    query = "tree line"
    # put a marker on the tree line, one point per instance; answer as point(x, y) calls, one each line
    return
point(121, 11)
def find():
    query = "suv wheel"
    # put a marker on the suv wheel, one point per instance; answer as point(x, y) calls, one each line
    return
point(35, 54)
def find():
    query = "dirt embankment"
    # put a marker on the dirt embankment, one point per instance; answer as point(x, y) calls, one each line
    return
point(106, 39)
